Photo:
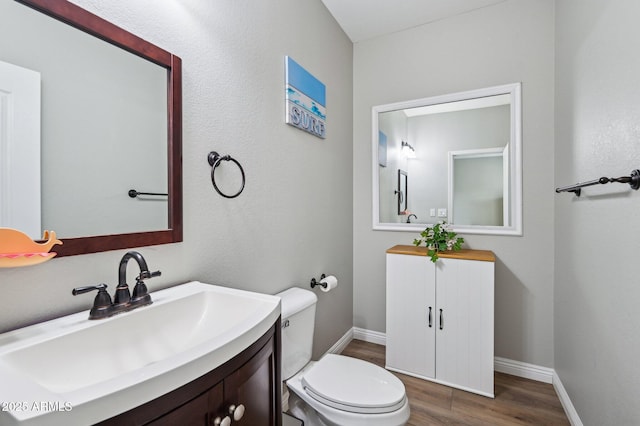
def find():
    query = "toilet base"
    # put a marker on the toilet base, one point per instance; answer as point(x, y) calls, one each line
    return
point(300, 409)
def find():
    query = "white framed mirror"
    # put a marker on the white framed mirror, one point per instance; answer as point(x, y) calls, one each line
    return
point(464, 154)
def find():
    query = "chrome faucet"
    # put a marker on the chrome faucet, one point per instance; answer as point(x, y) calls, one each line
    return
point(123, 300)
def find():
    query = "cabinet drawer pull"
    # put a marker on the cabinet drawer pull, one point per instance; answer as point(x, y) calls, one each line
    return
point(237, 411)
point(430, 319)
point(226, 421)
point(441, 320)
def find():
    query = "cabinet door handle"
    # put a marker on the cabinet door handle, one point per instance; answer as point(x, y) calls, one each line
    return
point(441, 320)
point(226, 421)
point(236, 411)
point(430, 319)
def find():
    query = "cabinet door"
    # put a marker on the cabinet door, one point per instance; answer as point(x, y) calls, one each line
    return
point(215, 404)
point(464, 338)
point(254, 387)
point(193, 413)
point(410, 315)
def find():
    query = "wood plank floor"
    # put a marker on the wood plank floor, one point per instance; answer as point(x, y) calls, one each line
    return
point(517, 401)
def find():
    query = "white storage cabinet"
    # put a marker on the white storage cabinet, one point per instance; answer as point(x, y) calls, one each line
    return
point(440, 317)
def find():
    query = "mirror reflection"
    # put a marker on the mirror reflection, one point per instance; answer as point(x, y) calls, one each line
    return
point(479, 191)
point(104, 129)
point(402, 192)
point(462, 152)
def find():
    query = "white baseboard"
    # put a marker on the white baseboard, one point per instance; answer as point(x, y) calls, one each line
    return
point(370, 336)
point(523, 369)
point(342, 343)
point(502, 365)
point(569, 409)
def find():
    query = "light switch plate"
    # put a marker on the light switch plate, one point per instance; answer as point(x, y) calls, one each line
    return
point(442, 212)
point(432, 212)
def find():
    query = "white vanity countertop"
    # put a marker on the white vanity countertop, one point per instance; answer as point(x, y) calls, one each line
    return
point(75, 371)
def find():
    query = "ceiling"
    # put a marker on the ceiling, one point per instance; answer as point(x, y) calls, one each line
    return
point(365, 19)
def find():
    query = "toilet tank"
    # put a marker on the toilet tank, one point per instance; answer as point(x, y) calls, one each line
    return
point(298, 307)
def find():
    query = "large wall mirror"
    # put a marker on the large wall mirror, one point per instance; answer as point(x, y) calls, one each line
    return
point(463, 153)
point(111, 122)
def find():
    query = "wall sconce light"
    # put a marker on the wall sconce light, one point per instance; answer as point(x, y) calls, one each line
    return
point(407, 150)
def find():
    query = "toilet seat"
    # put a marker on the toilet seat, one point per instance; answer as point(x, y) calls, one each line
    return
point(354, 385)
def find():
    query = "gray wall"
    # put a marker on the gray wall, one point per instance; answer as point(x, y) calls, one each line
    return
point(597, 296)
point(506, 43)
point(293, 220)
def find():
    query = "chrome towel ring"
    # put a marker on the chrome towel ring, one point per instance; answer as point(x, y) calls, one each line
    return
point(214, 160)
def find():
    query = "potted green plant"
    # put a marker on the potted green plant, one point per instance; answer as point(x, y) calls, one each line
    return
point(437, 238)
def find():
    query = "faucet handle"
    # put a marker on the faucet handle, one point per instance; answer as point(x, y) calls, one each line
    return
point(80, 290)
point(146, 275)
point(140, 294)
point(102, 306)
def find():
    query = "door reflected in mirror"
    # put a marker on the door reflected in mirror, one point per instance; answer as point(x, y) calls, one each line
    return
point(464, 159)
point(479, 187)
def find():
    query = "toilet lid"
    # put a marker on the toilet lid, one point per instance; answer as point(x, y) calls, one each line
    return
point(354, 385)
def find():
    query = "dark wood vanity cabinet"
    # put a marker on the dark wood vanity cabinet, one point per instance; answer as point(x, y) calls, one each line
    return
point(251, 379)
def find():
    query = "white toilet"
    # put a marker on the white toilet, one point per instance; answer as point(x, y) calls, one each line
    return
point(336, 390)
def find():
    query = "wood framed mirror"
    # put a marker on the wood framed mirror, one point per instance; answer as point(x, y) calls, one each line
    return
point(167, 136)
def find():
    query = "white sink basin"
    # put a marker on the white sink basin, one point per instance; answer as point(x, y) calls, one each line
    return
point(75, 371)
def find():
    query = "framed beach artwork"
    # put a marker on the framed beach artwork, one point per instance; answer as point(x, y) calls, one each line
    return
point(305, 99)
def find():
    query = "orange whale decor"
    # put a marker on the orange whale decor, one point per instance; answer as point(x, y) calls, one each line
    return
point(18, 249)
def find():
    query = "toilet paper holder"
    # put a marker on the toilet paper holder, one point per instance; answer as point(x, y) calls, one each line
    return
point(321, 284)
